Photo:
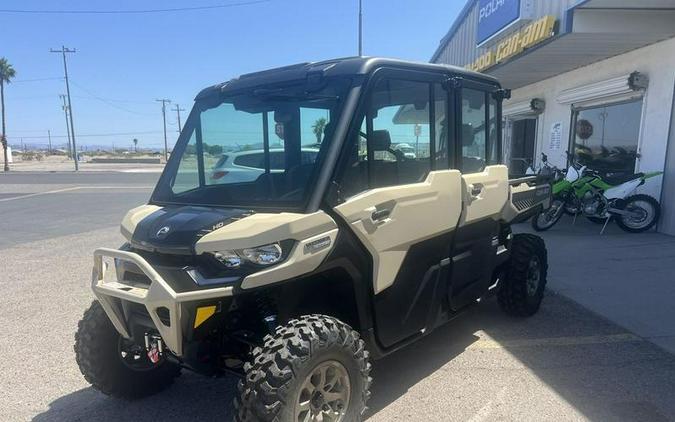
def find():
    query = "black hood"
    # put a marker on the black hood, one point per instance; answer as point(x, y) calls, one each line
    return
point(175, 230)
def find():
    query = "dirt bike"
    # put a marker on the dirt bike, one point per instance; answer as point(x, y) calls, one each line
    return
point(600, 198)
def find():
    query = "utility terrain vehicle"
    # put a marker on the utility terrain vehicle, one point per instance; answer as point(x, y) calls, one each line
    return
point(296, 278)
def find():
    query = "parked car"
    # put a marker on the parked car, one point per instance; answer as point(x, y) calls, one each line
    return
point(407, 150)
point(247, 166)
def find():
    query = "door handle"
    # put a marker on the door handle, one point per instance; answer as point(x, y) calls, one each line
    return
point(476, 189)
point(379, 215)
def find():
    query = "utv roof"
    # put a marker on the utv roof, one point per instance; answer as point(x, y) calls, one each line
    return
point(347, 66)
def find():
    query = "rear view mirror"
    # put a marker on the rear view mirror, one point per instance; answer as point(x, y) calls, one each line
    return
point(283, 116)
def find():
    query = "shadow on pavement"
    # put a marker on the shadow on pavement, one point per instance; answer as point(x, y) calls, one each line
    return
point(602, 379)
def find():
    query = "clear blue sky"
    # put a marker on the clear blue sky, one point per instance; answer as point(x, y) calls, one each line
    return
point(125, 61)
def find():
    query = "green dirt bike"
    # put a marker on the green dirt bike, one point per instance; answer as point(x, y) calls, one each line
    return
point(599, 198)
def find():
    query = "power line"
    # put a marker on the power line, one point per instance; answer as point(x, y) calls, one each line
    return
point(107, 101)
point(140, 11)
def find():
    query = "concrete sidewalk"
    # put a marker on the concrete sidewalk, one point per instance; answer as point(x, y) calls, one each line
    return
point(627, 278)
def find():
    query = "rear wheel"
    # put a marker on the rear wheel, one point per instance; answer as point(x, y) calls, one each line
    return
point(549, 217)
point(644, 213)
point(315, 368)
point(115, 365)
point(522, 289)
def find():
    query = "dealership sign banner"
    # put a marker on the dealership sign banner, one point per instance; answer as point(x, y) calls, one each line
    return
point(494, 16)
point(530, 35)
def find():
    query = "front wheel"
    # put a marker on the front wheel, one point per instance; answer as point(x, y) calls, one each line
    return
point(644, 212)
point(549, 217)
point(114, 365)
point(315, 368)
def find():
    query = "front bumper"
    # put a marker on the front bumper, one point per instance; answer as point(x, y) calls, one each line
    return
point(157, 297)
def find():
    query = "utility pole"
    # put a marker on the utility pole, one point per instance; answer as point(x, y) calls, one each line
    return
point(63, 51)
point(65, 111)
point(49, 134)
point(166, 145)
point(360, 28)
point(178, 110)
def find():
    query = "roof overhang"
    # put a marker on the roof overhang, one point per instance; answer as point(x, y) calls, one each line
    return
point(595, 30)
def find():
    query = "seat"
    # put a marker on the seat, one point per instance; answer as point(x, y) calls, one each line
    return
point(619, 178)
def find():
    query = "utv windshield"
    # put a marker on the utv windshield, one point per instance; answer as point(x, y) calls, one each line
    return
point(259, 148)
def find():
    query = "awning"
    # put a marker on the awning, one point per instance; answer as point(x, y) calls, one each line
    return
point(595, 31)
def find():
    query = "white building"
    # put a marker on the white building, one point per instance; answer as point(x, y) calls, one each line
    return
point(593, 77)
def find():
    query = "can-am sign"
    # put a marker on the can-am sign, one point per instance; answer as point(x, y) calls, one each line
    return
point(528, 36)
point(494, 16)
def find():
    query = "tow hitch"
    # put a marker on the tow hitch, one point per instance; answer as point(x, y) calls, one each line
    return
point(154, 346)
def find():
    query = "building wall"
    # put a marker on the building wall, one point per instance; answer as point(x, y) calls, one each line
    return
point(657, 61)
point(460, 47)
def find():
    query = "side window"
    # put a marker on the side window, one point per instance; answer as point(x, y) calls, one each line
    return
point(355, 174)
point(400, 137)
point(473, 132)
point(441, 150)
point(493, 140)
point(187, 176)
point(254, 160)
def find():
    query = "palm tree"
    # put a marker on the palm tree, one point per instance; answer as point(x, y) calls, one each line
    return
point(318, 127)
point(135, 145)
point(6, 74)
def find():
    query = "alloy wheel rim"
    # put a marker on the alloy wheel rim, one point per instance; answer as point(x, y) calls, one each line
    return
point(646, 211)
point(324, 394)
point(533, 276)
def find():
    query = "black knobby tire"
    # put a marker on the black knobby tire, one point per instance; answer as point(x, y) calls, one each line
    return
point(98, 356)
point(278, 369)
point(554, 218)
point(516, 295)
point(654, 218)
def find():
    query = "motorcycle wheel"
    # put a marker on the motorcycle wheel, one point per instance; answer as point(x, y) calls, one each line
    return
point(647, 211)
point(549, 217)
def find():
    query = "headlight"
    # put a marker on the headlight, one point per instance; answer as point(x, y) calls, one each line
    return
point(260, 255)
point(264, 255)
point(228, 258)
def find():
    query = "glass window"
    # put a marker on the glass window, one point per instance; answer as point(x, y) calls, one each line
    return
point(187, 175)
point(256, 148)
point(606, 138)
point(355, 172)
point(473, 131)
point(493, 140)
point(400, 134)
point(442, 157)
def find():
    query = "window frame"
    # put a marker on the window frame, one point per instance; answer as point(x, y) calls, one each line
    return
point(428, 77)
point(574, 115)
point(490, 92)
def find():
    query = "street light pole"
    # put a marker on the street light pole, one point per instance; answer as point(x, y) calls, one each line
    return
point(63, 51)
point(166, 145)
point(360, 28)
point(178, 110)
point(65, 112)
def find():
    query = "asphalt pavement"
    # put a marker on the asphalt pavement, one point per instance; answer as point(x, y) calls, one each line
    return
point(565, 363)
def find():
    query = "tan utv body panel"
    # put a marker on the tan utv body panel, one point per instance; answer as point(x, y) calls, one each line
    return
point(262, 229)
point(133, 217)
point(418, 211)
point(494, 193)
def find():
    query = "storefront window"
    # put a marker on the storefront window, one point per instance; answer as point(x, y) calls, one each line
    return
point(606, 138)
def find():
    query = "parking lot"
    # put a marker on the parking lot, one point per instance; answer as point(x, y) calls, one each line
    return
point(565, 363)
